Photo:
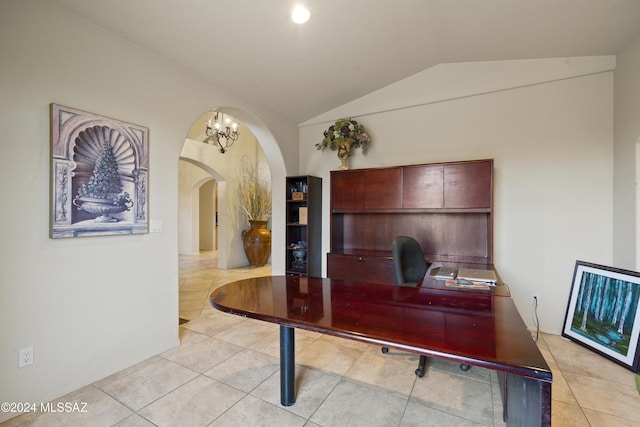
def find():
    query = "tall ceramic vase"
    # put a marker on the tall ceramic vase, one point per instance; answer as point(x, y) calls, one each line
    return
point(257, 243)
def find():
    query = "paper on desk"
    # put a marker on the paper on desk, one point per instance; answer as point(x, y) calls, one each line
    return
point(473, 285)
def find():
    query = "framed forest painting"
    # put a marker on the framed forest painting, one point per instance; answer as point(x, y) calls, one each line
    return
point(602, 313)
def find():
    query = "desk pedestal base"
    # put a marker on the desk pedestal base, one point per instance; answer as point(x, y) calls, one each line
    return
point(526, 402)
point(287, 366)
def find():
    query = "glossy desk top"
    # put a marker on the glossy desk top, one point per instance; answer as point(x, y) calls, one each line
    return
point(473, 327)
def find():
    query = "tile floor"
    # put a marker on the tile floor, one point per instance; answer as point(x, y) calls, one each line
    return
point(226, 373)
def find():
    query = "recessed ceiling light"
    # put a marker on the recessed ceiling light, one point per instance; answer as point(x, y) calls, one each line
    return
point(300, 15)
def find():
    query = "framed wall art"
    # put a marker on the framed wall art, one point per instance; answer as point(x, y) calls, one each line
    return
point(602, 313)
point(99, 175)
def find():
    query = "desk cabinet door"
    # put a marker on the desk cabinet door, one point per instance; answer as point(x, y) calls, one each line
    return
point(383, 189)
point(422, 187)
point(347, 190)
point(361, 268)
point(468, 185)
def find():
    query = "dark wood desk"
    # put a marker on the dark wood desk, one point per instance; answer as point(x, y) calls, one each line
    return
point(472, 327)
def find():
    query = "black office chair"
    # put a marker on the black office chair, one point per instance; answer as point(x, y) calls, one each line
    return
point(409, 266)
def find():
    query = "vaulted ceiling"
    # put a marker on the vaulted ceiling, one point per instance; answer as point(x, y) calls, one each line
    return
point(353, 47)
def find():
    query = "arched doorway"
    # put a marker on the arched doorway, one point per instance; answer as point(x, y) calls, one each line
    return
point(257, 142)
point(198, 188)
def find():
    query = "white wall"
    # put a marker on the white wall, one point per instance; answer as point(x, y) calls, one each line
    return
point(54, 294)
point(627, 136)
point(547, 124)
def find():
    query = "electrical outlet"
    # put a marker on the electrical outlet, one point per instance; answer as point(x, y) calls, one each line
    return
point(535, 300)
point(25, 357)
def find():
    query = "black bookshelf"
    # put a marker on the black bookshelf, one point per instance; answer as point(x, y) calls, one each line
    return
point(303, 235)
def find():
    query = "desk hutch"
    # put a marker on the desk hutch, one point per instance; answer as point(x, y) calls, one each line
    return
point(447, 207)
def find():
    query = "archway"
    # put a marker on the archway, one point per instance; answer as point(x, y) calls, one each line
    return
point(192, 177)
point(230, 252)
point(190, 182)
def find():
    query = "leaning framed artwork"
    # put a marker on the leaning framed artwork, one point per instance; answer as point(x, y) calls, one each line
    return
point(99, 175)
point(602, 313)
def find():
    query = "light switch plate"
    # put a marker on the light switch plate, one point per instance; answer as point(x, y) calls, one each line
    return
point(155, 226)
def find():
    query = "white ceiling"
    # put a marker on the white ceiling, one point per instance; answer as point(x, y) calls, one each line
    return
point(353, 47)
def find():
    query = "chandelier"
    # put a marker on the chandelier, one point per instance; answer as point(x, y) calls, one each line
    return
point(224, 130)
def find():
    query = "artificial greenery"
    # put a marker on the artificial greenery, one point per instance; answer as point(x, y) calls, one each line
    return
point(254, 196)
point(105, 182)
point(345, 131)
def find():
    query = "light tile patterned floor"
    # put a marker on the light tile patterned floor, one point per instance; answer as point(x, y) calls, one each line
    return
point(226, 373)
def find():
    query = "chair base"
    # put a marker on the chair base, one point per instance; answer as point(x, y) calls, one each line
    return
point(421, 364)
point(421, 367)
point(423, 361)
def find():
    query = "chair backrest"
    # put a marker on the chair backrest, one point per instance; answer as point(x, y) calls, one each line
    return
point(409, 264)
